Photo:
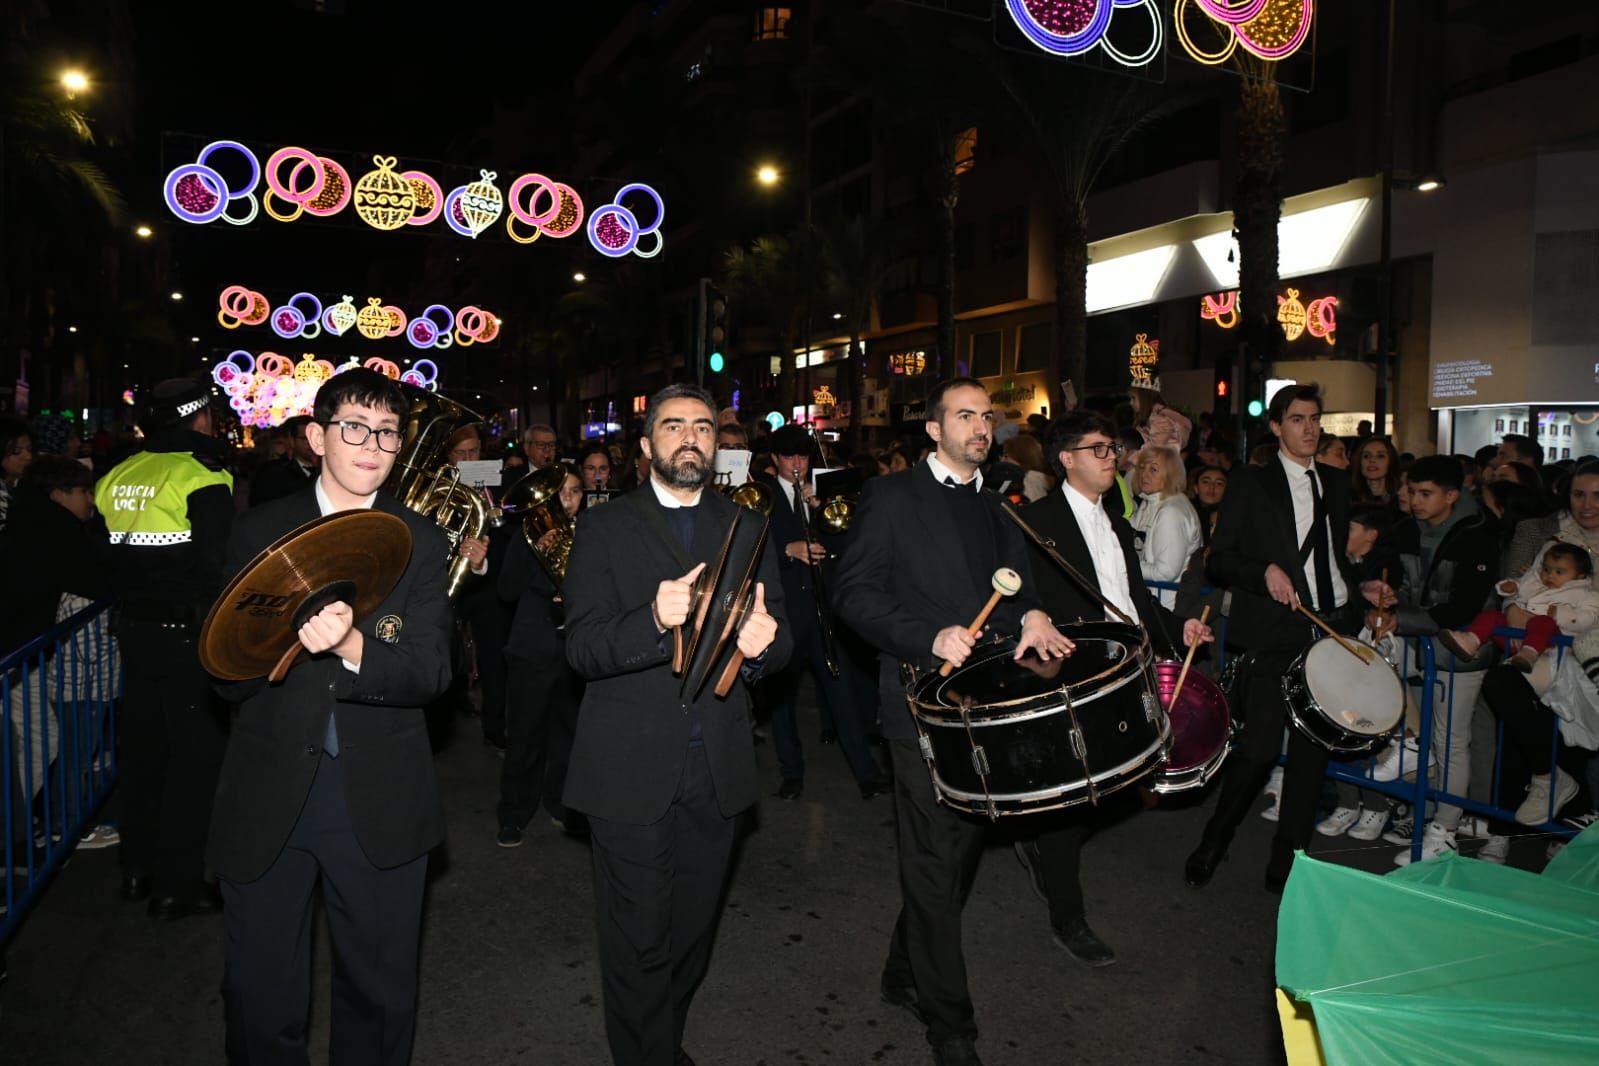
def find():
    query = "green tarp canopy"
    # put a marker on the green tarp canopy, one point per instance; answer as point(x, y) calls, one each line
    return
point(1451, 961)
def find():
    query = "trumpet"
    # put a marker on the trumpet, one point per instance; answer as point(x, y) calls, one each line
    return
point(536, 500)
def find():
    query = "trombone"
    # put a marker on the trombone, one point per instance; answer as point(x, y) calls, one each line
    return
point(824, 613)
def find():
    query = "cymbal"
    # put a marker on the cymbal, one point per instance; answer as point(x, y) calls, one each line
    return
point(730, 593)
point(252, 629)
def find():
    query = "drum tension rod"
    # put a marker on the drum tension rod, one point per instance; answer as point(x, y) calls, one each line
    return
point(979, 757)
point(1080, 747)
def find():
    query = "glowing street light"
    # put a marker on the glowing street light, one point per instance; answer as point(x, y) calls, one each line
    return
point(768, 175)
point(580, 277)
point(74, 81)
point(72, 329)
point(144, 232)
point(177, 295)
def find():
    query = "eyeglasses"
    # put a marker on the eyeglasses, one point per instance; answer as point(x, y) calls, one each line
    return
point(355, 434)
point(1100, 450)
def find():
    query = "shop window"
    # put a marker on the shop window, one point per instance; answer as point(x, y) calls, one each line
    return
point(1008, 235)
point(1032, 347)
point(1499, 425)
point(771, 23)
point(985, 354)
point(966, 151)
point(1565, 430)
point(1565, 453)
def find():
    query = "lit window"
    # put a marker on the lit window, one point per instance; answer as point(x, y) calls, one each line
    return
point(966, 151)
point(771, 23)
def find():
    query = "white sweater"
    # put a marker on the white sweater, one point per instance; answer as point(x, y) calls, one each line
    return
point(1170, 526)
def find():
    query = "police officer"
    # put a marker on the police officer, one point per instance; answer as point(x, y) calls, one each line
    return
point(168, 510)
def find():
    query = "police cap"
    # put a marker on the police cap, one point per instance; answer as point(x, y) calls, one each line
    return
point(172, 402)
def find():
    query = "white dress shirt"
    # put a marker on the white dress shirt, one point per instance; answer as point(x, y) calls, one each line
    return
point(671, 502)
point(942, 473)
point(325, 505)
point(796, 499)
point(1304, 514)
point(1110, 564)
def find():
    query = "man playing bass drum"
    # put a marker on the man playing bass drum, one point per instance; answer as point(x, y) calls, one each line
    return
point(917, 571)
point(1099, 545)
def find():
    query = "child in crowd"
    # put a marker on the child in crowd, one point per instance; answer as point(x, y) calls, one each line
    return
point(1556, 597)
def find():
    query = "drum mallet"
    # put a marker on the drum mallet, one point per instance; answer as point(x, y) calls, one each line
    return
point(1007, 582)
point(1188, 660)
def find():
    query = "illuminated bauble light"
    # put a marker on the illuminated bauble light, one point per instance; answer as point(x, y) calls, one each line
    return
point(422, 333)
point(1291, 314)
point(569, 217)
point(340, 317)
point(481, 203)
point(397, 320)
point(287, 322)
point(429, 197)
point(310, 369)
point(385, 367)
point(383, 199)
point(196, 193)
point(335, 192)
point(372, 321)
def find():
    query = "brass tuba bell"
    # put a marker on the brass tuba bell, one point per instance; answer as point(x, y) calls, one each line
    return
point(535, 500)
point(427, 483)
point(838, 512)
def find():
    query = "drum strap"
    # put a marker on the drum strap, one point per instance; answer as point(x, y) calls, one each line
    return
point(1316, 542)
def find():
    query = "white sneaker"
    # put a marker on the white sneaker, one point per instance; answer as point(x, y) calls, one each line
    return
point(1473, 827)
point(1400, 756)
point(1535, 809)
point(1369, 827)
point(1435, 841)
point(1401, 831)
point(101, 836)
point(1495, 851)
point(1338, 822)
point(1274, 789)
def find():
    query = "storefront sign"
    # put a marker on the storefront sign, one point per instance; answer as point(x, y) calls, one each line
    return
point(913, 412)
point(1142, 359)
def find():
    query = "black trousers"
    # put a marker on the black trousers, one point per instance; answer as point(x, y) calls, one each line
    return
point(1529, 738)
point(839, 698)
point(540, 722)
point(491, 625)
point(658, 891)
point(938, 854)
point(173, 732)
point(374, 918)
point(1250, 764)
point(1060, 849)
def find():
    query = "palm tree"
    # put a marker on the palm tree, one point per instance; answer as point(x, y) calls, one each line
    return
point(857, 261)
point(773, 279)
point(1078, 119)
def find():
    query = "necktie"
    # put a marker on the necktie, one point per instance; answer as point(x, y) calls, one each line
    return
point(330, 739)
point(952, 483)
point(1318, 546)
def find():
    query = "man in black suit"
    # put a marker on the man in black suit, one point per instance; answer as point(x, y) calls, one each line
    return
point(1099, 544)
point(328, 776)
point(289, 473)
point(661, 776)
point(918, 569)
point(1279, 543)
point(793, 518)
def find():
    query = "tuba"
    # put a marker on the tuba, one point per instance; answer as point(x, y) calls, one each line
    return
point(427, 483)
point(536, 500)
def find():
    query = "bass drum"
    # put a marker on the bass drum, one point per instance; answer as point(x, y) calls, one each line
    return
point(1003, 737)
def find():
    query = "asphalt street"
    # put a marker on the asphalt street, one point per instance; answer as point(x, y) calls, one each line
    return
point(509, 974)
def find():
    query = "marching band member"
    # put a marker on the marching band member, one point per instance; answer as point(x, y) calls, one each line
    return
point(661, 777)
point(1099, 544)
point(917, 570)
point(328, 777)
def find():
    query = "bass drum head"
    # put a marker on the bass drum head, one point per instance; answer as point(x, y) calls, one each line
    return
point(997, 684)
point(1201, 728)
point(1363, 699)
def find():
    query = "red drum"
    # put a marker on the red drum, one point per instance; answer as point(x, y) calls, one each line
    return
point(1201, 727)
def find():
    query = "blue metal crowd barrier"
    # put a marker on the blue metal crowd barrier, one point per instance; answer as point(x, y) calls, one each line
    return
point(1217, 623)
point(58, 695)
point(1419, 793)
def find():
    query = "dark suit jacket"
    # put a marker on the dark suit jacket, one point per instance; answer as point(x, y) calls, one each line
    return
point(633, 727)
point(1255, 529)
point(277, 479)
point(1064, 599)
point(521, 582)
point(903, 577)
point(787, 527)
point(383, 743)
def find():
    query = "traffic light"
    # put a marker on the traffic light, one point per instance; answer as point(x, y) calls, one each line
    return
point(1224, 388)
point(711, 332)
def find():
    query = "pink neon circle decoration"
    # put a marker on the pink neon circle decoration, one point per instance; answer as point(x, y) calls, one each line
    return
point(529, 215)
point(286, 192)
point(1231, 14)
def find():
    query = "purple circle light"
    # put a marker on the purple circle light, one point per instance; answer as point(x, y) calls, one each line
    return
point(1070, 44)
point(185, 197)
point(623, 218)
point(255, 165)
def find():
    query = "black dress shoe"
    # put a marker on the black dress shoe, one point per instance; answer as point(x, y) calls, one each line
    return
point(135, 887)
point(1081, 944)
point(175, 908)
point(956, 1051)
point(1201, 865)
point(876, 787)
point(791, 788)
point(904, 997)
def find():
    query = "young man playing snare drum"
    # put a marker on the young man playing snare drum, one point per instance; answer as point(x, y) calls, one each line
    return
point(1279, 546)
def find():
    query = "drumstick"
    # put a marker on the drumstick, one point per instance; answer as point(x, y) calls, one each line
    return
point(1188, 660)
point(1006, 582)
point(1352, 648)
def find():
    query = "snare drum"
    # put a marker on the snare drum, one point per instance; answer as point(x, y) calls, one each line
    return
point(1342, 703)
point(1201, 729)
point(1002, 737)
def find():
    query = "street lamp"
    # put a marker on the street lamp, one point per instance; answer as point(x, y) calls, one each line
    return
point(72, 329)
point(74, 81)
point(767, 175)
point(177, 295)
point(144, 232)
point(580, 277)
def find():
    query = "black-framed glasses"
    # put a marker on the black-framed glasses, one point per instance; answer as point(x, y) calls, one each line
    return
point(355, 434)
point(1101, 450)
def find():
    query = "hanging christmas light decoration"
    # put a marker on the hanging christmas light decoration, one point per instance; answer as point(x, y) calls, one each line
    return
point(1269, 29)
point(383, 199)
point(338, 319)
point(1074, 27)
